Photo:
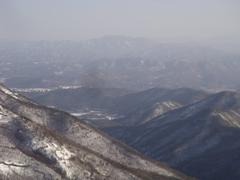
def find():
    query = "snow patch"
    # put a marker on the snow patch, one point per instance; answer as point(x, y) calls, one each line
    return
point(64, 153)
point(8, 92)
point(58, 152)
point(231, 118)
point(170, 104)
point(7, 169)
point(44, 90)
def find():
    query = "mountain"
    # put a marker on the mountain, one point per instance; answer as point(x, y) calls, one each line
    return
point(117, 62)
point(143, 106)
point(200, 139)
point(124, 107)
point(38, 142)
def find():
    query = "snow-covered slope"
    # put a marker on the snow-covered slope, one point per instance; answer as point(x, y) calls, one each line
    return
point(44, 143)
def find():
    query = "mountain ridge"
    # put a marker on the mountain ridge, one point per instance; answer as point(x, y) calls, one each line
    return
point(27, 127)
point(193, 138)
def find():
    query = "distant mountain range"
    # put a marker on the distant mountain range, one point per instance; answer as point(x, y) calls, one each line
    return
point(117, 62)
point(37, 142)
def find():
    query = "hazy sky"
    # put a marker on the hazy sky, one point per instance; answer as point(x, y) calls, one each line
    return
point(83, 19)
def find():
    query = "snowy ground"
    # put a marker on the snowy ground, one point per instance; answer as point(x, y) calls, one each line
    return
point(95, 115)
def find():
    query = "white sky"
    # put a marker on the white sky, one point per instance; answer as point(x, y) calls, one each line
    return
point(84, 19)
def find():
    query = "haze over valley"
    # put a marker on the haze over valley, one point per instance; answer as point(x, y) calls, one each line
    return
point(119, 90)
